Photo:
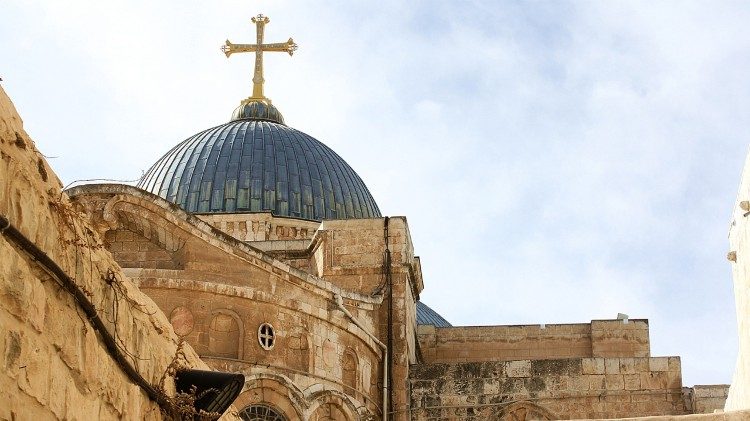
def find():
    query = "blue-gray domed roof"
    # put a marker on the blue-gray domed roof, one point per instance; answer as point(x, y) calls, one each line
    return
point(428, 316)
point(257, 165)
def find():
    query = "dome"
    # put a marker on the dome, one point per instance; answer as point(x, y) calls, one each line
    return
point(255, 163)
point(428, 316)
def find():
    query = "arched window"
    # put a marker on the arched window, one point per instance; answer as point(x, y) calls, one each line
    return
point(223, 336)
point(261, 413)
point(349, 368)
point(299, 345)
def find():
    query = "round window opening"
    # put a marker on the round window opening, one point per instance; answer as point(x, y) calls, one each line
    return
point(266, 337)
point(261, 413)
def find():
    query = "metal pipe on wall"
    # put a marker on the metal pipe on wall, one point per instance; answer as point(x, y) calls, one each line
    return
point(340, 305)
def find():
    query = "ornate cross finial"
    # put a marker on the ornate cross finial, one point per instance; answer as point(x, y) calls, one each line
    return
point(229, 49)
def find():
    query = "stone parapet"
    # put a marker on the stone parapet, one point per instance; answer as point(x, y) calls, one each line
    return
point(615, 338)
point(600, 338)
point(261, 226)
point(706, 399)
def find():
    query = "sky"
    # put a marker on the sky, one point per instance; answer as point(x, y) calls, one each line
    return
point(558, 162)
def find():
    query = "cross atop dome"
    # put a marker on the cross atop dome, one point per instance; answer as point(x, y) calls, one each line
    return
point(259, 48)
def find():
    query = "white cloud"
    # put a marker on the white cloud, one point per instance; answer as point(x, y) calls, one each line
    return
point(557, 162)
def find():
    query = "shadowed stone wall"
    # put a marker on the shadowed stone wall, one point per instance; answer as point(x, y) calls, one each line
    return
point(54, 363)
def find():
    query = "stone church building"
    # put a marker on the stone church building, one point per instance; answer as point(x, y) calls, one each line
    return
point(265, 252)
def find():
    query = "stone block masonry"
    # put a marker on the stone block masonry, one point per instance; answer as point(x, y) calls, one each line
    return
point(218, 292)
point(552, 388)
point(600, 338)
point(55, 364)
point(706, 399)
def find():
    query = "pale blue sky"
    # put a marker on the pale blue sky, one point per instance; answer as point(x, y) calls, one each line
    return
point(557, 162)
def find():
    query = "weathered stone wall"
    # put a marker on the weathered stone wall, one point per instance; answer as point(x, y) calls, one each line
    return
point(720, 416)
point(261, 226)
point(310, 347)
point(553, 388)
point(222, 290)
point(500, 343)
point(616, 338)
point(133, 250)
point(600, 338)
point(54, 364)
point(351, 255)
point(350, 252)
point(739, 256)
point(706, 399)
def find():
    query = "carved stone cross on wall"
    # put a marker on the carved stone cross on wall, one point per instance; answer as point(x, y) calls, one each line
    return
point(229, 49)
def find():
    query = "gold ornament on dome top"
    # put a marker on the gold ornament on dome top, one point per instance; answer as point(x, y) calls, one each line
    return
point(259, 48)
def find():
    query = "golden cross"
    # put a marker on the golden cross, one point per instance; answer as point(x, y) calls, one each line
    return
point(260, 22)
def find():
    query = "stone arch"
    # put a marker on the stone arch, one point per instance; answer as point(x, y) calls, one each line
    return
point(525, 411)
point(298, 343)
point(332, 406)
point(119, 212)
point(349, 369)
point(274, 391)
point(226, 334)
point(137, 236)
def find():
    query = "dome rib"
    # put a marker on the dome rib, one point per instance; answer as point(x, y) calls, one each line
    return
point(177, 156)
point(209, 173)
point(347, 192)
point(242, 201)
point(259, 166)
point(195, 150)
point(218, 183)
point(163, 168)
point(189, 147)
point(288, 162)
point(199, 159)
point(304, 177)
point(231, 185)
point(327, 185)
point(346, 174)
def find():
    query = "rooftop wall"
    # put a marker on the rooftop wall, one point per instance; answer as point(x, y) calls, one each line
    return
point(600, 338)
point(706, 399)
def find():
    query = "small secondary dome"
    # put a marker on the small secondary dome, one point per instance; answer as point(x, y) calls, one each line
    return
point(428, 316)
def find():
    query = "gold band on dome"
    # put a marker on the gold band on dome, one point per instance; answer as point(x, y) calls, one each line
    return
point(259, 48)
